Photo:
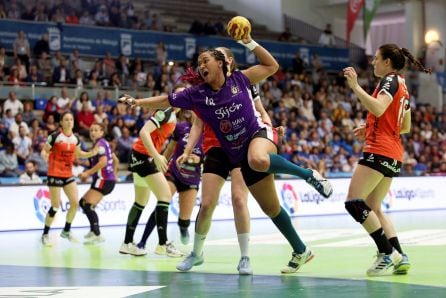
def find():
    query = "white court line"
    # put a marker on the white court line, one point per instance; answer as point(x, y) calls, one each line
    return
point(422, 237)
point(74, 292)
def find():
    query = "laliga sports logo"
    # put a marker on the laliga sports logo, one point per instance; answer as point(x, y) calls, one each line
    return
point(388, 201)
point(289, 198)
point(42, 203)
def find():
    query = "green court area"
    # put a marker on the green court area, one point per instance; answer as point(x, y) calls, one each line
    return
point(343, 254)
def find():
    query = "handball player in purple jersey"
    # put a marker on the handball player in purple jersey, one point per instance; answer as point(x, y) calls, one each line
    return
point(224, 103)
point(102, 169)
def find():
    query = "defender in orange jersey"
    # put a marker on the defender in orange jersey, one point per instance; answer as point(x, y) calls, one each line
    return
point(60, 150)
point(388, 117)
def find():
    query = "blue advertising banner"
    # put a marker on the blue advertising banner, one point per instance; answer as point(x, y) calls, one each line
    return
point(97, 41)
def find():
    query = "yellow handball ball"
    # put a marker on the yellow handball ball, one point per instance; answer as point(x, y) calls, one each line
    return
point(239, 27)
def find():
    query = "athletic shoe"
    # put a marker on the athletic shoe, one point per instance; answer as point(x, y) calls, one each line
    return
point(184, 233)
point(384, 262)
point(168, 250)
point(69, 235)
point(191, 260)
point(322, 185)
point(141, 245)
point(95, 239)
point(46, 240)
point(403, 267)
point(244, 266)
point(297, 260)
point(132, 249)
point(89, 235)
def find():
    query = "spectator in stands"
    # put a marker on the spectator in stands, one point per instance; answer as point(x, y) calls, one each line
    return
point(298, 64)
point(196, 27)
point(42, 45)
point(115, 81)
point(64, 102)
point(30, 176)
point(28, 14)
point(118, 125)
point(2, 11)
point(22, 145)
point(21, 48)
point(286, 35)
point(123, 68)
point(327, 38)
point(114, 16)
point(208, 28)
point(100, 116)
point(84, 98)
point(78, 79)
point(157, 23)
point(14, 11)
point(8, 162)
point(109, 65)
point(40, 13)
point(147, 19)
point(58, 16)
point(124, 21)
point(76, 61)
point(8, 119)
point(51, 109)
point(72, 18)
point(124, 145)
point(34, 75)
point(28, 112)
point(101, 17)
point(85, 119)
point(13, 103)
point(161, 53)
point(15, 126)
point(3, 63)
point(21, 68)
point(44, 66)
point(51, 125)
point(55, 59)
point(86, 19)
point(61, 73)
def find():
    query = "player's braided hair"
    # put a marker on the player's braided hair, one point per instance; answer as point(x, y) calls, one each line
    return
point(399, 56)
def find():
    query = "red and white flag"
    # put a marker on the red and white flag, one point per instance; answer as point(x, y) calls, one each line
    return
point(353, 9)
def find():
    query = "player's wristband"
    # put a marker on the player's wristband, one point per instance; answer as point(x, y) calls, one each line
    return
point(250, 45)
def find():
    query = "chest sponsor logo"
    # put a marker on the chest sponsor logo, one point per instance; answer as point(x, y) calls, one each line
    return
point(225, 126)
point(235, 90)
point(227, 111)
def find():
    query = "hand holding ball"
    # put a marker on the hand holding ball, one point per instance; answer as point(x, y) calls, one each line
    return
point(239, 28)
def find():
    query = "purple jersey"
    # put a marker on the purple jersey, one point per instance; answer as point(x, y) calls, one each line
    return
point(230, 112)
point(106, 172)
point(188, 174)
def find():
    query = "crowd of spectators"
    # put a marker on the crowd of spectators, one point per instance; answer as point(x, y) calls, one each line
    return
point(317, 109)
point(111, 13)
point(315, 106)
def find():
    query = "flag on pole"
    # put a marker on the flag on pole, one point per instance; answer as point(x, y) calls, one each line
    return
point(353, 9)
point(370, 7)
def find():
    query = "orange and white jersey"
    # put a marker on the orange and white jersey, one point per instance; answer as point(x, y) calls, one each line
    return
point(61, 157)
point(383, 133)
point(165, 121)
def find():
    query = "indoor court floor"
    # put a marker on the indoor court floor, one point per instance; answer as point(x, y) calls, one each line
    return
point(343, 254)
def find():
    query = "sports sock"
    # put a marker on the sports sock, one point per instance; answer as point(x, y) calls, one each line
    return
point(396, 244)
point(150, 225)
point(161, 213)
point(283, 223)
point(243, 242)
point(199, 243)
point(183, 223)
point(132, 222)
point(279, 165)
point(67, 227)
point(381, 241)
point(46, 230)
